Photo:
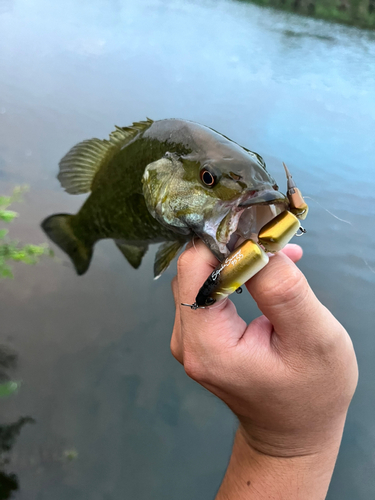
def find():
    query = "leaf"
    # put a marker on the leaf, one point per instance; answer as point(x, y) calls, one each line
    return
point(5, 271)
point(7, 215)
point(9, 388)
point(16, 196)
point(5, 201)
point(13, 250)
point(70, 455)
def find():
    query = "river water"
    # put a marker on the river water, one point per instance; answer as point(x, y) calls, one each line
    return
point(114, 414)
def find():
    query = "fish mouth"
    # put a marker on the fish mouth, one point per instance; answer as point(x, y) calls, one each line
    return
point(252, 213)
point(263, 197)
point(247, 217)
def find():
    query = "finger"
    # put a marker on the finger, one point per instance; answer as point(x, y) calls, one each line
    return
point(190, 244)
point(283, 295)
point(293, 251)
point(175, 291)
point(193, 268)
point(176, 341)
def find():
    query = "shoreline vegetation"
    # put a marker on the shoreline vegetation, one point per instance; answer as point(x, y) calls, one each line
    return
point(13, 251)
point(360, 13)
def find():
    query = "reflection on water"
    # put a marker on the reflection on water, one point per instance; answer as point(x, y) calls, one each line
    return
point(8, 435)
point(301, 34)
point(8, 432)
point(93, 351)
point(8, 361)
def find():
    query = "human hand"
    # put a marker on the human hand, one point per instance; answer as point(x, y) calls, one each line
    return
point(289, 376)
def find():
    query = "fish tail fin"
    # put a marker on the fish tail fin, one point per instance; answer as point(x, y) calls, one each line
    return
point(58, 228)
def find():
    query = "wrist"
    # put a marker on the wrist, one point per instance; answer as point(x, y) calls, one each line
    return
point(254, 475)
point(293, 442)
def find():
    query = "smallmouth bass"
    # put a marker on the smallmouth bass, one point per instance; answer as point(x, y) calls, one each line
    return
point(163, 182)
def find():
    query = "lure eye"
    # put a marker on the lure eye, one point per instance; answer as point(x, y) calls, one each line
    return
point(208, 177)
point(209, 301)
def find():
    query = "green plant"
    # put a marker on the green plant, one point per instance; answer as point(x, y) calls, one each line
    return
point(13, 250)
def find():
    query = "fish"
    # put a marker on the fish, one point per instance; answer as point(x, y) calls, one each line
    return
point(166, 182)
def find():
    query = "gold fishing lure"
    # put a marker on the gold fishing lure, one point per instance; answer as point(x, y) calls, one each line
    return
point(250, 257)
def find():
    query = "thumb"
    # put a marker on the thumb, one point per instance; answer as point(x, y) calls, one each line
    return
point(284, 296)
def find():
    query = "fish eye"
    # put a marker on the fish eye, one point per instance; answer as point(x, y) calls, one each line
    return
point(208, 177)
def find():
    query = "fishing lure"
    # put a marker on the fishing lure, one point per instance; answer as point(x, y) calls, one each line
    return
point(250, 257)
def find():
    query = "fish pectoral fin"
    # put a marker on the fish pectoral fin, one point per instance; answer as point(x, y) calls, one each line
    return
point(132, 253)
point(79, 166)
point(165, 254)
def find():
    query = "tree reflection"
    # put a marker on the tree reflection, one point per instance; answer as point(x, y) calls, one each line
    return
point(8, 432)
point(8, 361)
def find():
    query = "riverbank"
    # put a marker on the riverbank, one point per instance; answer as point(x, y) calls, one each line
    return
point(359, 13)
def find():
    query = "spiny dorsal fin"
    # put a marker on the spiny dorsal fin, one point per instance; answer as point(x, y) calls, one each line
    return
point(132, 253)
point(79, 166)
point(165, 254)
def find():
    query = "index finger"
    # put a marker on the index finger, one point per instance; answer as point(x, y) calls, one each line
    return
point(193, 268)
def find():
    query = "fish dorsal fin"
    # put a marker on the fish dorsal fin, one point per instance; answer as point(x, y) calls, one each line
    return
point(79, 166)
point(132, 253)
point(165, 254)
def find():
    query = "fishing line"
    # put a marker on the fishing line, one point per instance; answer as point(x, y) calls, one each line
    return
point(341, 220)
point(368, 265)
point(326, 209)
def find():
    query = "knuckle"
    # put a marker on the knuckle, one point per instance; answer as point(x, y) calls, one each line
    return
point(175, 350)
point(286, 289)
point(173, 345)
point(193, 368)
